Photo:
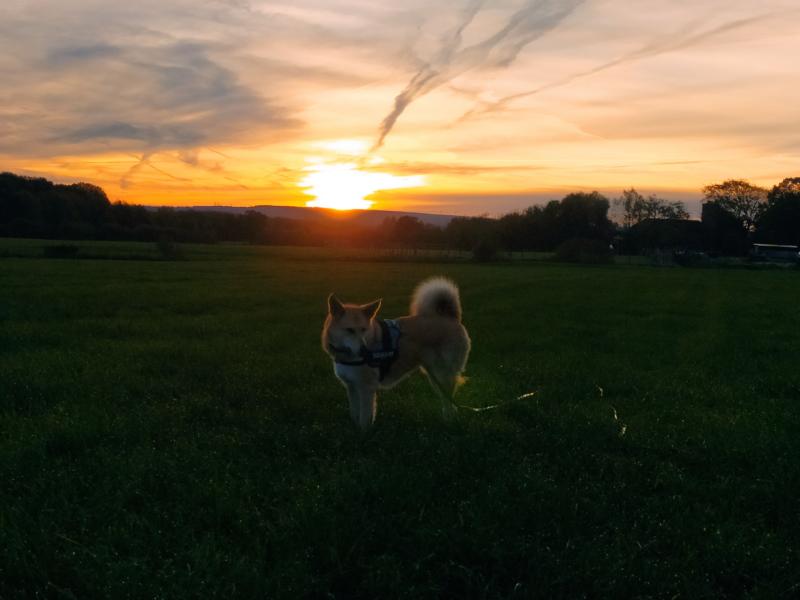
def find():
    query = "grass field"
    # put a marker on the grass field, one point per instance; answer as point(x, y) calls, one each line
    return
point(172, 429)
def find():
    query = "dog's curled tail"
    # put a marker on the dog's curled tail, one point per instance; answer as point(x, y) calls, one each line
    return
point(436, 297)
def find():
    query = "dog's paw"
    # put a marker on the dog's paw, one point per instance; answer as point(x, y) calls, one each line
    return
point(449, 412)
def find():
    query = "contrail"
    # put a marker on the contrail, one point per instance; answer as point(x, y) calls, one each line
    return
point(141, 161)
point(652, 49)
point(533, 20)
point(125, 180)
point(191, 157)
point(430, 75)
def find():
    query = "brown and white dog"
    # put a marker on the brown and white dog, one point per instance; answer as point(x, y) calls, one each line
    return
point(371, 354)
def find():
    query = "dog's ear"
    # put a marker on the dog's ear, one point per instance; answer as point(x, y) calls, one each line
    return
point(335, 307)
point(371, 309)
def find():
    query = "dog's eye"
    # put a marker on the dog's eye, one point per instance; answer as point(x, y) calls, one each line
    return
point(350, 330)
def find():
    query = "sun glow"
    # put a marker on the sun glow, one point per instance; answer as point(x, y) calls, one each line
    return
point(340, 183)
point(346, 147)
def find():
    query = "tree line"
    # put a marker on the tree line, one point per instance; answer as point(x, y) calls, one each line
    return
point(37, 208)
point(735, 214)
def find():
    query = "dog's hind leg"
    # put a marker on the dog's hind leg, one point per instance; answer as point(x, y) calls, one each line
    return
point(444, 384)
point(444, 368)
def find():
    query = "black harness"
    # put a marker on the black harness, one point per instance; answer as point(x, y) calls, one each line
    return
point(380, 358)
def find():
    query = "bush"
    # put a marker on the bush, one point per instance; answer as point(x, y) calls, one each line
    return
point(484, 251)
point(584, 251)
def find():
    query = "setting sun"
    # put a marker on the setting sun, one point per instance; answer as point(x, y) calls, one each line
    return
point(342, 184)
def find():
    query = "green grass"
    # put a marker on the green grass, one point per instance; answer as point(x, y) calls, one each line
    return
point(172, 429)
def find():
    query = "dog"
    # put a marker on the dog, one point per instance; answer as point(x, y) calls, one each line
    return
point(370, 354)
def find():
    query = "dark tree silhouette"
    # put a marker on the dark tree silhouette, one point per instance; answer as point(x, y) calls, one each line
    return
point(780, 222)
point(584, 215)
point(723, 233)
point(665, 235)
point(466, 233)
point(637, 208)
point(740, 198)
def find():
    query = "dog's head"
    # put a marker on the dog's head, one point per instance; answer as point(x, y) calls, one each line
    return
point(347, 325)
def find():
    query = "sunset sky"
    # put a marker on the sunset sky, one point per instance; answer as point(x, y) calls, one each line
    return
point(460, 107)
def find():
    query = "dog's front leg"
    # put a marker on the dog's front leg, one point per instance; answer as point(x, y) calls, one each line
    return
point(355, 402)
point(368, 407)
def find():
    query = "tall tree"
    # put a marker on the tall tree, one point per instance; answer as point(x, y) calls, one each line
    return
point(636, 208)
point(743, 200)
point(584, 215)
point(788, 187)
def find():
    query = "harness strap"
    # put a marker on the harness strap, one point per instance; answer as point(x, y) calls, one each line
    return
point(351, 363)
point(389, 353)
point(377, 359)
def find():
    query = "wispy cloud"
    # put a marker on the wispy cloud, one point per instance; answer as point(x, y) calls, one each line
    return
point(147, 97)
point(670, 42)
point(451, 168)
point(144, 161)
point(500, 49)
point(140, 87)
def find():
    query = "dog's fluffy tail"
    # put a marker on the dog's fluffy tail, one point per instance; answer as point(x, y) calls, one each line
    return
point(436, 297)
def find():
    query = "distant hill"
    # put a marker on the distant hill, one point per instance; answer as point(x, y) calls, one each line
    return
point(365, 217)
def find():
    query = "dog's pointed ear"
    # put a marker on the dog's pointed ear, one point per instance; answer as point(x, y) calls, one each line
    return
point(371, 309)
point(335, 307)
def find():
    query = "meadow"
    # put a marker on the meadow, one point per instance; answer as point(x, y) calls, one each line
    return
point(172, 429)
